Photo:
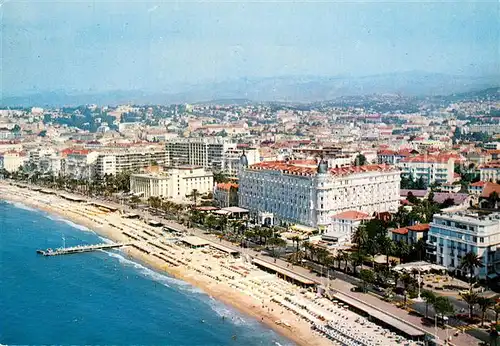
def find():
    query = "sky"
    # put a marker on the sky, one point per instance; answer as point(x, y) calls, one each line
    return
point(82, 46)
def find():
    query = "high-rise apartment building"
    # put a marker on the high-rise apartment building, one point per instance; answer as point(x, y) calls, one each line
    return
point(213, 153)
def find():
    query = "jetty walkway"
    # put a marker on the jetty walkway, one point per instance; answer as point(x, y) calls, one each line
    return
point(83, 248)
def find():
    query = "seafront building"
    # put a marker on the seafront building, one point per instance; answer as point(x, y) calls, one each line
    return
point(452, 236)
point(11, 161)
point(129, 160)
point(79, 164)
point(308, 193)
point(175, 183)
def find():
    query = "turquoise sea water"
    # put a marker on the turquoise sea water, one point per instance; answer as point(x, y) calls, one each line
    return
point(102, 297)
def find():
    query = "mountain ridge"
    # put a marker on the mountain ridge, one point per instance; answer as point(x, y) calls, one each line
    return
point(302, 89)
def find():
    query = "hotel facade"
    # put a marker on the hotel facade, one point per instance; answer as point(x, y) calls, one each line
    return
point(305, 193)
point(452, 236)
point(176, 183)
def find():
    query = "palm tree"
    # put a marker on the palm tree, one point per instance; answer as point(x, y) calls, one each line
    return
point(338, 258)
point(429, 298)
point(408, 281)
point(387, 246)
point(194, 196)
point(357, 258)
point(470, 298)
point(345, 257)
point(471, 262)
point(360, 237)
point(402, 250)
point(295, 240)
point(484, 304)
point(372, 248)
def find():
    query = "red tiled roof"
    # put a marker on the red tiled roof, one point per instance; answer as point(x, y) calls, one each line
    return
point(290, 168)
point(226, 186)
point(489, 188)
point(351, 215)
point(360, 169)
point(421, 227)
point(401, 231)
point(478, 184)
point(386, 152)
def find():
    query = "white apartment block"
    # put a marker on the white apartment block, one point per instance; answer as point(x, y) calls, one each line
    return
point(431, 168)
point(176, 183)
point(212, 153)
point(80, 164)
point(52, 164)
point(204, 152)
point(11, 161)
point(309, 194)
point(451, 236)
point(490, 171)
point(129, 160)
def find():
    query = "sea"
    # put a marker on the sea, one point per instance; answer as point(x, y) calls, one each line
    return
point(102, 298)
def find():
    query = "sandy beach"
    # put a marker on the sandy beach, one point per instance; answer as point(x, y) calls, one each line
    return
point(290, 310)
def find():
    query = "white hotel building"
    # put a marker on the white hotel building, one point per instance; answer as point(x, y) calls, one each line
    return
point(451, 236)
point(175, 183)
point(305, 193)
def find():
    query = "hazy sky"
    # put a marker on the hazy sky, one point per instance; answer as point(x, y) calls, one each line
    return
point(110, 45)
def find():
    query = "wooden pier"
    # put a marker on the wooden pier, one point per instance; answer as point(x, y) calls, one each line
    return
point(82, 248)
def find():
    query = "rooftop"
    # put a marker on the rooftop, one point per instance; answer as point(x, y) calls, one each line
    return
point(351, 215)
point(290, 167)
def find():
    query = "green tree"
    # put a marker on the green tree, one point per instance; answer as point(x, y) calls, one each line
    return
point(470, 298)
point(360, 160)
point(429, 298)
point(470, 262)
point(194, 196)
point(367, 277)
point(493, 200)
point(210, 222)
point(360, 237)
point(402, 250)
point(357, 258)
point(484, 304)
point(443, 306)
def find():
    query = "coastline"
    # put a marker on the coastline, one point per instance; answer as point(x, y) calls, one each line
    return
point(298, 331)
